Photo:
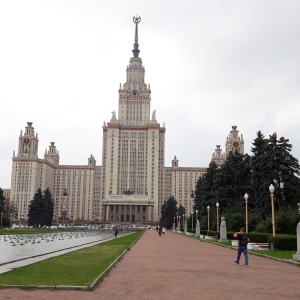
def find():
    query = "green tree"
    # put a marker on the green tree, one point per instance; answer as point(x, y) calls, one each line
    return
point(284, 171)
point(35, 210)
point(168, 212)
point(13, 211)
point(207, 189)
point(49, 208)
point(273, 163)
point(286, 220)
point(180, 213)
point(40, 210)
point(234, 182)
point(259, 177)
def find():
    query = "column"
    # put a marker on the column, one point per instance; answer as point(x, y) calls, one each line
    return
point(130, 213)
point(107, 213)
point(148, 213)
point(135, 213)
point(114, 213)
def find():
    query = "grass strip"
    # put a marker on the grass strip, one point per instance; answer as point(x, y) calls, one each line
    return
point(78, 268)
point(276, 253)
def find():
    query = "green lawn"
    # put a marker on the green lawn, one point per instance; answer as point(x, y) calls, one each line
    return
point(276, 253)
point(78, 268)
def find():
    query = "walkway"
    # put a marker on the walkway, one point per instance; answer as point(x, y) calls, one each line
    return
point(176, 267)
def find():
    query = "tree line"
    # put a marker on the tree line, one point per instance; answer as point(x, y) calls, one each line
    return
point(271, 162)
point(40, 210)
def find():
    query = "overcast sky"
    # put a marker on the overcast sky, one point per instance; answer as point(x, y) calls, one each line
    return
point(210, 64)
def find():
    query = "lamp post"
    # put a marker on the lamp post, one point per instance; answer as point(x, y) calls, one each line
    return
point(217, 206)
point(272, 189)
point(192, 207)
point(10, 220)
point(64, 212)
point(246, 202)
point(192, 219)
point(208, 217)
point(179, 224)
point(1, 219)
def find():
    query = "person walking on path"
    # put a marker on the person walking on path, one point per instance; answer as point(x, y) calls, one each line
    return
point(116, 232)
point(243, 238)
point(159, 231)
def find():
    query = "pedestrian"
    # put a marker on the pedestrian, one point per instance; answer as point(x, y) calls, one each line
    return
point(164, 230)
point(159, 231)
point(116, 232)
point(243, 238)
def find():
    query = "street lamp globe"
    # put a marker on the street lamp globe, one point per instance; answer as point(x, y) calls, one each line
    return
point(246, 202)
point(271, 188)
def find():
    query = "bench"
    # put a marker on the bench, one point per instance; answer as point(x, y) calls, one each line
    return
point(252, 246)
point(261, 246)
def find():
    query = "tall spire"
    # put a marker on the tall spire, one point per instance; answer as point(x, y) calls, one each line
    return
point(136, 50)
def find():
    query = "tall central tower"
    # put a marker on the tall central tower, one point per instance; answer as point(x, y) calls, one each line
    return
point(133, 151)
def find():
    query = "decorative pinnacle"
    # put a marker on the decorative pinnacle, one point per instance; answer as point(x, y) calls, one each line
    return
point(136, 19)
point(136, 50)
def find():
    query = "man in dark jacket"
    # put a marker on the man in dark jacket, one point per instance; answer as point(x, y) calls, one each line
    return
point(242, 248)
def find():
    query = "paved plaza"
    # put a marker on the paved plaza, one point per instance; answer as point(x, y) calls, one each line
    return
point(177, 267)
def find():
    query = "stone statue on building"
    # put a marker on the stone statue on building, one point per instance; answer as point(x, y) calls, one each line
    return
point(153, 115)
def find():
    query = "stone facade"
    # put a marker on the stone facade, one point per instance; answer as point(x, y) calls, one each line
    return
point(234, 143)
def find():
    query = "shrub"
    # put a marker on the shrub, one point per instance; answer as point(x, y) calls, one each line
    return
point(203, 231)
point(283, 242)
point(213, 233)
point(258, 237)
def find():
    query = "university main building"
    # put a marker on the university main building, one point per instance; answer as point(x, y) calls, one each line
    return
point(132, 183)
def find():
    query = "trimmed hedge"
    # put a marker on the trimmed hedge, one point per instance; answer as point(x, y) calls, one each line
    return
point(258, 237)
point(204, 232)
point(283, 242)
point(255, 237)
point(280, 241)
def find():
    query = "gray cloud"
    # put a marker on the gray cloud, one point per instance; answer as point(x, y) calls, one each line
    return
point(211, 65)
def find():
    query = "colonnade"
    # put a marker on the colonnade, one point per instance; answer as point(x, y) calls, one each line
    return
point(128, 213)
